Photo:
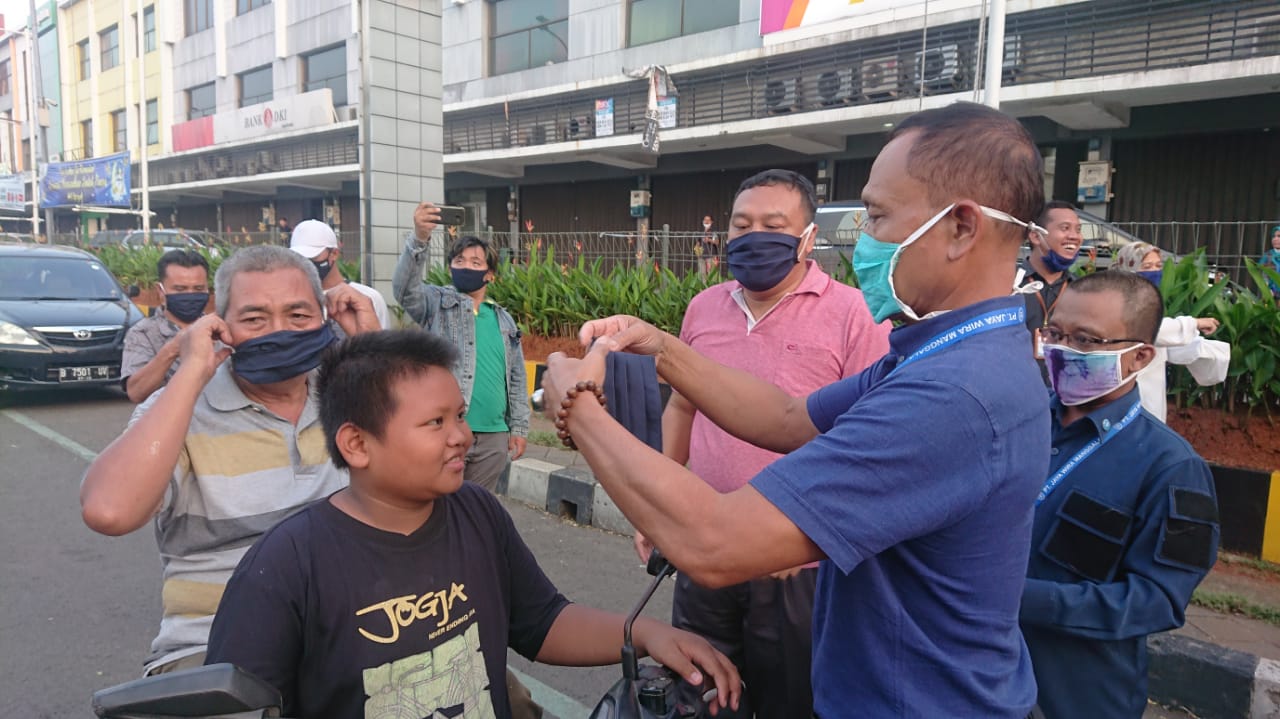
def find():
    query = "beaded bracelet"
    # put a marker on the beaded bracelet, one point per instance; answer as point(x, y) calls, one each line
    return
point(562, 414)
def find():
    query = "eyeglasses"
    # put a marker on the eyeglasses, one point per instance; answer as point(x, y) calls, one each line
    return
point(1080, 340)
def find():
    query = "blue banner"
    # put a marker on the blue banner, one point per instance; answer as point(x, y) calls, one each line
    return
point(103, 181)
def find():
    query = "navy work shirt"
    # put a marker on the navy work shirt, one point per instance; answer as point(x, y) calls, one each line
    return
point(919, 491)
point(1117, 549)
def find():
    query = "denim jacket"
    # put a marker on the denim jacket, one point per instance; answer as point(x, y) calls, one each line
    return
point(446, 312)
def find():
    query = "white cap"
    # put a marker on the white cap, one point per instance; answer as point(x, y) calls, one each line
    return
point(311, 237)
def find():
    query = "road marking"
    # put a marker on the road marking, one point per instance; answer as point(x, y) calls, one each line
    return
point(66, 443)
point(550, 699)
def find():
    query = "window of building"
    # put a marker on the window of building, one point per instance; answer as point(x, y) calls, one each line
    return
point(255, 86)
point(149, 28)
point(327, 68)
point(109, 41)
point(86, 137)
point(244, 6)
point(82, 52)
point(528, 33)
point(202, 101)
point(119, 131)
point(198, 15)
point(654, 20)
point(153, 122)
point(4, 77)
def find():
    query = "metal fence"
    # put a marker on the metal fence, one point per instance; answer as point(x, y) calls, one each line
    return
point(1226, 244)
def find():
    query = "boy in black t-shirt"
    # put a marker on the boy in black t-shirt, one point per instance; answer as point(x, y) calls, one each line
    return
point(399, 595)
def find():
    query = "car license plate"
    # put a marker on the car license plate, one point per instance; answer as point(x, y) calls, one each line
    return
point(81, 374)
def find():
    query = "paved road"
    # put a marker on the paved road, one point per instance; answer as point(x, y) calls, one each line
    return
point(79, 610)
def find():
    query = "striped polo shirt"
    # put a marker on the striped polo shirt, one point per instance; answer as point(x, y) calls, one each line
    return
point(241, 470)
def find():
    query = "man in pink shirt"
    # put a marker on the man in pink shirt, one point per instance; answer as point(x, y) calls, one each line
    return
point(784, 320)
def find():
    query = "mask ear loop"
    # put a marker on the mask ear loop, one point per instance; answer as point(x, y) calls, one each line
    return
point(893, 263)
point(812, 231)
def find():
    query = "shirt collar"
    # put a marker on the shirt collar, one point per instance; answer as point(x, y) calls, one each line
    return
point(1104, 417)
point(908, 338)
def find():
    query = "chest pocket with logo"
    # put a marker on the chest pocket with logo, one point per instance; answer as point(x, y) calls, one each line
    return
point(1088, 537)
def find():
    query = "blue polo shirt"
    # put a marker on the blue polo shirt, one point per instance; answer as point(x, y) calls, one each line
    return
point(919, 491)
point(1117, 549)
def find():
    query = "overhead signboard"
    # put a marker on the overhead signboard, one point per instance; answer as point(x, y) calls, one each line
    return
point(102, 181)
point(297, 112)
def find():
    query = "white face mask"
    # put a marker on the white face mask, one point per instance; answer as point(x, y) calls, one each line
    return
point(1081, 377)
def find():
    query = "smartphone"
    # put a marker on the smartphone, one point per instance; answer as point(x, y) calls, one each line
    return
point(452, 214)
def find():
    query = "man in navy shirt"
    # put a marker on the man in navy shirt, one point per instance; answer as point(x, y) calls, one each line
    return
point(913, 481)
point(1126, 525)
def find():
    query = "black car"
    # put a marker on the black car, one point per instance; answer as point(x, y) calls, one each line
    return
point(63, 318)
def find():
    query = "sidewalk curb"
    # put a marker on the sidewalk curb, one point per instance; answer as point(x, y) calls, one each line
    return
point(1213, 681)
point(567, 492)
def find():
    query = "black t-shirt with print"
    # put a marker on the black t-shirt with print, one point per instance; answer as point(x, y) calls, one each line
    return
point(350, 621)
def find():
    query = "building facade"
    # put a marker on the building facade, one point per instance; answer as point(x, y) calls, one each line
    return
point(545, 117)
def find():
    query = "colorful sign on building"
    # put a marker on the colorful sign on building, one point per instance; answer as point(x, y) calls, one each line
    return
point(102, 181)
point(776, 15)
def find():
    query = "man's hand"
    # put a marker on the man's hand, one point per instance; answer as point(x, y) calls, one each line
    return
point(564, 372)
point(515, 447)
point(351, 309)
point(197, 348)
point(1206, 325)
point(425, 219)
point(643, 547)
point(624, 332)
point(684, 654)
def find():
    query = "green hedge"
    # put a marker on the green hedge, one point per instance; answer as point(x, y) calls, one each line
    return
point(137, 266)
point(1250, 323)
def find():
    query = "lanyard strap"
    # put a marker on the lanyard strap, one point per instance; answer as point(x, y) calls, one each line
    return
point(1056, 478)
point(978, 325)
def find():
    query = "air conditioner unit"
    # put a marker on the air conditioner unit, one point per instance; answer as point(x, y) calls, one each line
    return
point(938, 68)
point(1012, 64)
point(836, 87)
point(221, 163)
point(577, 128)
point(188, 174)
point(781, 95)
point(266, 159)
point(251, 167)
point(881, 78)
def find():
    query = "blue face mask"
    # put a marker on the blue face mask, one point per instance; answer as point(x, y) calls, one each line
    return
point(1056, 262)
point(186, 306)
point(874, 262)
point(760, 261)
point(1152, 276)
point(281, 355)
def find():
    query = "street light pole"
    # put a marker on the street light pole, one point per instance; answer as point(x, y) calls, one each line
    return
point(142, 121)
point(35, 128)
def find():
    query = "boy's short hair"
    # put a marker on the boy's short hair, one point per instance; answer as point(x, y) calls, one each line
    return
point(466, 242)
point(358, 375)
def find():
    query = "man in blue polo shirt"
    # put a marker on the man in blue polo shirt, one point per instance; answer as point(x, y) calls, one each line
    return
point(913, 481)
point(1126, 525)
